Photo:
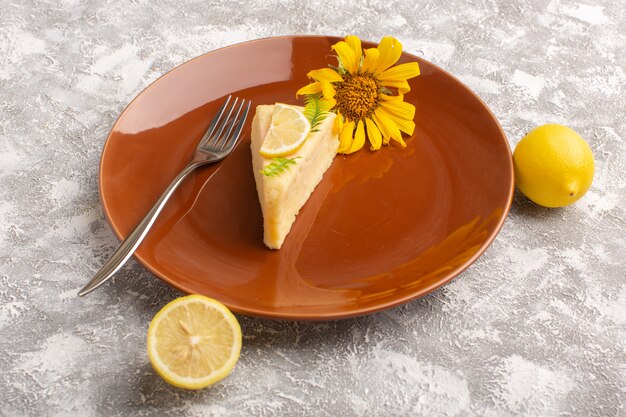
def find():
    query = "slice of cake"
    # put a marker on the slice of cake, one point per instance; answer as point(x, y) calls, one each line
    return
point(283, 194)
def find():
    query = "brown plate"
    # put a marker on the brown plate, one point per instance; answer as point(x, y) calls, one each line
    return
point(382, 228)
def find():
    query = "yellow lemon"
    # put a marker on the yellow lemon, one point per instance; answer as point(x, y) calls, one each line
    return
point(193, 342)
point(288, 130)
point(553, 165)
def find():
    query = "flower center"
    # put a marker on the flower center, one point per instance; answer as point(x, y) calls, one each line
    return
point(357, 96)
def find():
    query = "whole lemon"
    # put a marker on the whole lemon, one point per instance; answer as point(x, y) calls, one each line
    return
point(553, 165)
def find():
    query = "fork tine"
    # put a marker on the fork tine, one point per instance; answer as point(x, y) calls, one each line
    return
point(212, 127)
point(225, 138)
point(217, 136)
point(233, 140)
point(229, 126)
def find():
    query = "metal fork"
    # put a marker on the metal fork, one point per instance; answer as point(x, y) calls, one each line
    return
point(217, 143)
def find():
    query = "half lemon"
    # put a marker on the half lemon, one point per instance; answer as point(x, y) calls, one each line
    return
point(194, 342)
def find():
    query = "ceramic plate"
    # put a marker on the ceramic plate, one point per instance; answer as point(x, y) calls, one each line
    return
point(382, 228)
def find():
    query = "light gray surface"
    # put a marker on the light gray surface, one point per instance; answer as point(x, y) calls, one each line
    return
point(537, 327)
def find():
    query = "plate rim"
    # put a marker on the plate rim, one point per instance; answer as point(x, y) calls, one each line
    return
point(357, 312)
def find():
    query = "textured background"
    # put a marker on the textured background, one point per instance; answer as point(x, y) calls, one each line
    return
point(537, 327)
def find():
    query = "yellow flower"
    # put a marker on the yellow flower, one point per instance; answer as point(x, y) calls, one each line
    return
point(367, 93)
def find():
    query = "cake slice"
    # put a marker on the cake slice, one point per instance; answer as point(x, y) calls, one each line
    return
point(283, 195)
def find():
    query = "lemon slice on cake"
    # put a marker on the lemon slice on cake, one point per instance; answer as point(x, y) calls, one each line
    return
point(288, 131)
point(194, 342)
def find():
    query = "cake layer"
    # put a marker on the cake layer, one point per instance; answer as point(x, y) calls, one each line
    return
point(282, 196)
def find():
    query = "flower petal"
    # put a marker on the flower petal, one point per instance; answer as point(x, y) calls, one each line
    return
point(405, 125)
point(373, 134)
point(359, 138)
point(400, 109)
point(325, 74)
point(402, 85)
point(389, 50)
point(355, 44)
point(371, 59)
point(312, 88)
point(338, 123)
point(328, 91)
point(398, 97)
point(383, 129)
point(345, 137)
point(388, 126)
point(328, 103)
point(346, 56)
point(401, 72)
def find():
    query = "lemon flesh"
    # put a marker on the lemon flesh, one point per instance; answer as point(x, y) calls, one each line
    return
point(194, 342)
point(554, 166)
point(288, 130)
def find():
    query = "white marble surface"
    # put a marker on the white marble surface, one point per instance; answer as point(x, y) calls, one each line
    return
point(537, 327)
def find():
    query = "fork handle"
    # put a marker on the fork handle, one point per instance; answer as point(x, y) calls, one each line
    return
point(130, 244)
